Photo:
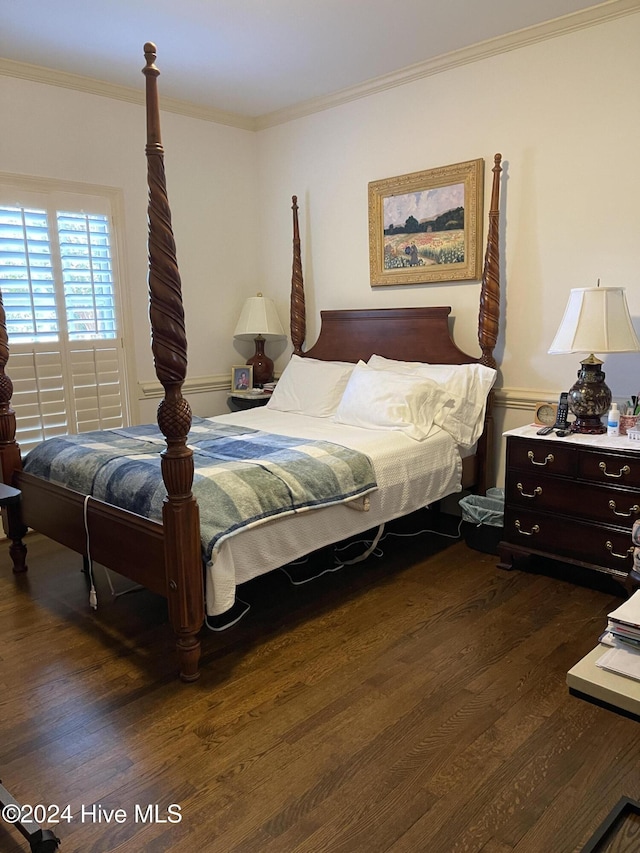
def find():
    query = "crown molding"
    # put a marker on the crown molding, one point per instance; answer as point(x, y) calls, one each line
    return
point(607, 11)
point(602, 13)
point(90, 86)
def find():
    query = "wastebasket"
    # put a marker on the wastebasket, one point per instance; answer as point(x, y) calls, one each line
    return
point(483, 520)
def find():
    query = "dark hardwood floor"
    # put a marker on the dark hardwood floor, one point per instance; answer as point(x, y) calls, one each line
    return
point(416, 702)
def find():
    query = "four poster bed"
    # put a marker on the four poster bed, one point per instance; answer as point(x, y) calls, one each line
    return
point(165, 553)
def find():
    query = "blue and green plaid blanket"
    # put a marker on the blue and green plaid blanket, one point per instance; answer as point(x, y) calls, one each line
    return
point(242, 476)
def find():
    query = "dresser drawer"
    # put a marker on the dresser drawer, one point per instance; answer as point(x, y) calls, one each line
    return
point(597, 545)
point(540, 493)
point(612, 468)
point(547, 457)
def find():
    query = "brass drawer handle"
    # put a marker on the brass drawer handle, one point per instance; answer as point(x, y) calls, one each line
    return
point(548, 458)
point(609, 546)
point(537, 491)
point(535, 529)
point(624, 470)
point(632, 509)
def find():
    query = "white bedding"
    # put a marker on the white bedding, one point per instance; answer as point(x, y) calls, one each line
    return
point(410, 474)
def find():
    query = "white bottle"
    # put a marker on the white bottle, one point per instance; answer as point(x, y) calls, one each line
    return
point(613, 420)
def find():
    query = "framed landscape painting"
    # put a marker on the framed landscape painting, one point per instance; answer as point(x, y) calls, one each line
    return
point(427, 226)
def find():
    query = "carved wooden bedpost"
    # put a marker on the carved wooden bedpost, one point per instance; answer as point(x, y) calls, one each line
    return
point(489, 317)
point(298, 310)
point(183, 557)
point(10, 458)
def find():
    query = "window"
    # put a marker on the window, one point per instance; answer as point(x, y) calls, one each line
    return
point(58, 277)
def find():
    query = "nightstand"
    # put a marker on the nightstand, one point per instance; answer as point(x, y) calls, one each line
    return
point(573, 499)
point(240, 402)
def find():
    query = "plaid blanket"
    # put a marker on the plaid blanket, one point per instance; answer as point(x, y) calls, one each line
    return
point(243, 476)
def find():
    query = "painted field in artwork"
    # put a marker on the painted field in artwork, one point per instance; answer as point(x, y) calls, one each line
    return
point(423, 249)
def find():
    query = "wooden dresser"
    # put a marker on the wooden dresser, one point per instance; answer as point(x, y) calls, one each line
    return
point(574, 499)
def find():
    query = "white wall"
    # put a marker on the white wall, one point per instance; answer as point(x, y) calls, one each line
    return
point(211, 180)
point(563, 113)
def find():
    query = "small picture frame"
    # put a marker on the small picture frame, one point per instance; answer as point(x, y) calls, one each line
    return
point(241, 378)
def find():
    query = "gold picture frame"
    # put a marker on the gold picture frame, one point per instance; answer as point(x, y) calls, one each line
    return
point(241, 378)
point(426, 227)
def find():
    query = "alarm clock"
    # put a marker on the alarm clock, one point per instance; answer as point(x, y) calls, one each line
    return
point(545, 414)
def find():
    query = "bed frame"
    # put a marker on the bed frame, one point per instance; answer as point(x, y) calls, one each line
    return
point(166, 557)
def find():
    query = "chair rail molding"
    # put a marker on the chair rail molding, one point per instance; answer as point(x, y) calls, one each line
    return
point(523, 398)
point(193, 385)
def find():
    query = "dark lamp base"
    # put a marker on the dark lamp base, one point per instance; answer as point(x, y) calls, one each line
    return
point(588, 426)
point(261, 363)
point(589, 398)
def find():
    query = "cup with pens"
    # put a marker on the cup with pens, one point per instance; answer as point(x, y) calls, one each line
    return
point(630, 415)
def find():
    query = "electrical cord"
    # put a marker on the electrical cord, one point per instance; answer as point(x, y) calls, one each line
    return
point(371, 548)
point(378, 552)
point(93, 595)
point(301, 581)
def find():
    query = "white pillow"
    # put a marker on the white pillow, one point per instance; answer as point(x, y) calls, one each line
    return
point(468, 386)
point(377, 399)
point(309, 386)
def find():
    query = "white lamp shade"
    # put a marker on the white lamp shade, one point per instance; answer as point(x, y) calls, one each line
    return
point(258, 317)
point(596, 319)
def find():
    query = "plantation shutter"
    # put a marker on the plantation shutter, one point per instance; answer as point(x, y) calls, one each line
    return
point(57, 275)
point(96, 381)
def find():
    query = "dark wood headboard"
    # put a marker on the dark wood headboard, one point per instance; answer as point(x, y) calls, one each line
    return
point(407, 334)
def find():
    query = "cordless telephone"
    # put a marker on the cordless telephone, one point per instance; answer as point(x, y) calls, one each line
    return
point(562, 415)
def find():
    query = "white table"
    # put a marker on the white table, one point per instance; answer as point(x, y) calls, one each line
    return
point(615, 693)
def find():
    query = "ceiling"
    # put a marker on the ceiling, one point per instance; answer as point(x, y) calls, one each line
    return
point(252, 58)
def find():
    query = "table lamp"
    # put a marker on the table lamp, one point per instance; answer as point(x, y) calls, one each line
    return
point(259, 322)
point(596, 319)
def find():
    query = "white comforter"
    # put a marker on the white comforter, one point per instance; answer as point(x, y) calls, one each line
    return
point(410, 474)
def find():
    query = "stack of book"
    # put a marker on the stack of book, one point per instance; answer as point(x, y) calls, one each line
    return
point(623, 635)
point(624, 622)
